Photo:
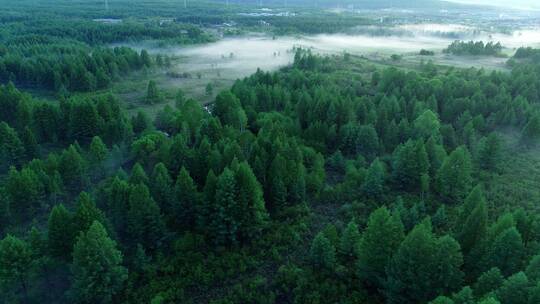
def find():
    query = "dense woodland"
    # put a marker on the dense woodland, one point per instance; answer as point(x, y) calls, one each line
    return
point(318, 183)
point(474, 48)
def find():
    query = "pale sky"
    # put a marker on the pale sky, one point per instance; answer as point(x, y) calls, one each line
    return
point(525, 4)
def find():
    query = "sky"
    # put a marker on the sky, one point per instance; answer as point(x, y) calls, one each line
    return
point(523, 4)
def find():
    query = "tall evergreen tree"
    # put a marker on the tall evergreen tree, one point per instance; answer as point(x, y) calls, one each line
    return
point(97, 272)
point(144, 219)
point(423, 267)
point(410, 162)
point(373, 185)
point(60, 232)
point(380, 240)
point(322, 253)
point(454, 177)
point(186, 202)
point(15, 264)
point(506, 252)
point(350, 241)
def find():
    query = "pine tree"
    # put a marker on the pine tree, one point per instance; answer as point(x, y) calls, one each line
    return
point(373, 185)
point(427, 125)
point(380, 240)
point(98, 150)
point(464, 296)
point(223, 226)
point(30, 143)
point(162, 187)
point(61, 233)
point(488, 282)
point(349, 242)
point(533, 269)
point(25, 192)
point(410, 163)
point(515, 290)
point(72, 168)
point(5, 212)
point(475, 227)
point(138, 175)
point(86, 213)
point(145, 223)
point(208, 206)
point(507, 251)
point(251, 211)
point(11, 147)
point(117, 204)
point(423, 267)
point(454, 176)
point(97, 272)
point(322, 253)
point(152, 94)
point(185, 203)
point(15, 263)
point(531, 133)
point(489, 152)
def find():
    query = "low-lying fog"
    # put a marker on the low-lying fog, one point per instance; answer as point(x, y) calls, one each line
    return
point(233, 58)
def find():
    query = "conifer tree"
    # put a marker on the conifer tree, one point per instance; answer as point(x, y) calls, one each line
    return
point(162, 187)
point(72, 168)
point(488, 282)
point(185, 202)
point(11, 147)
point(506, 252)
point(30, 143)
point(531, 133)
point(454, 176)
point(410, 162)
point(322, 253)
point(98, 150)
point(373, 185)
point(86, 213)
point(97, 271)
point(61, 233)
point(489, 152)
point(144, 219)
point(223, 227)
point(475, 227)
point(252, 215)
point(153, 96)
point(423, 267)
point(380, 240)
point(138, 175)
point(15, 264)
point(349, 242)
point(514, 290)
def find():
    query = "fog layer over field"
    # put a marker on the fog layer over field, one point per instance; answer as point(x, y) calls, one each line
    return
point(233, 58)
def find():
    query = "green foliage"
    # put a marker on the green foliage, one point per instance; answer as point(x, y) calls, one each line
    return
point(97, 272)
point(98, 150)
point(15, 264)
point(454, 176)
point(380, 240)
point(515, 290)
point(61, 233)
point(410, 164)
point(153, 95)
point(423, 267)
point(488, 282)
point(506, 252)
point(322, 253)
point(350, 241)
point(373, 186)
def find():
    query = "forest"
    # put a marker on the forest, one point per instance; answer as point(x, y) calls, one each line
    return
point(474, 48)
point(330, 180)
